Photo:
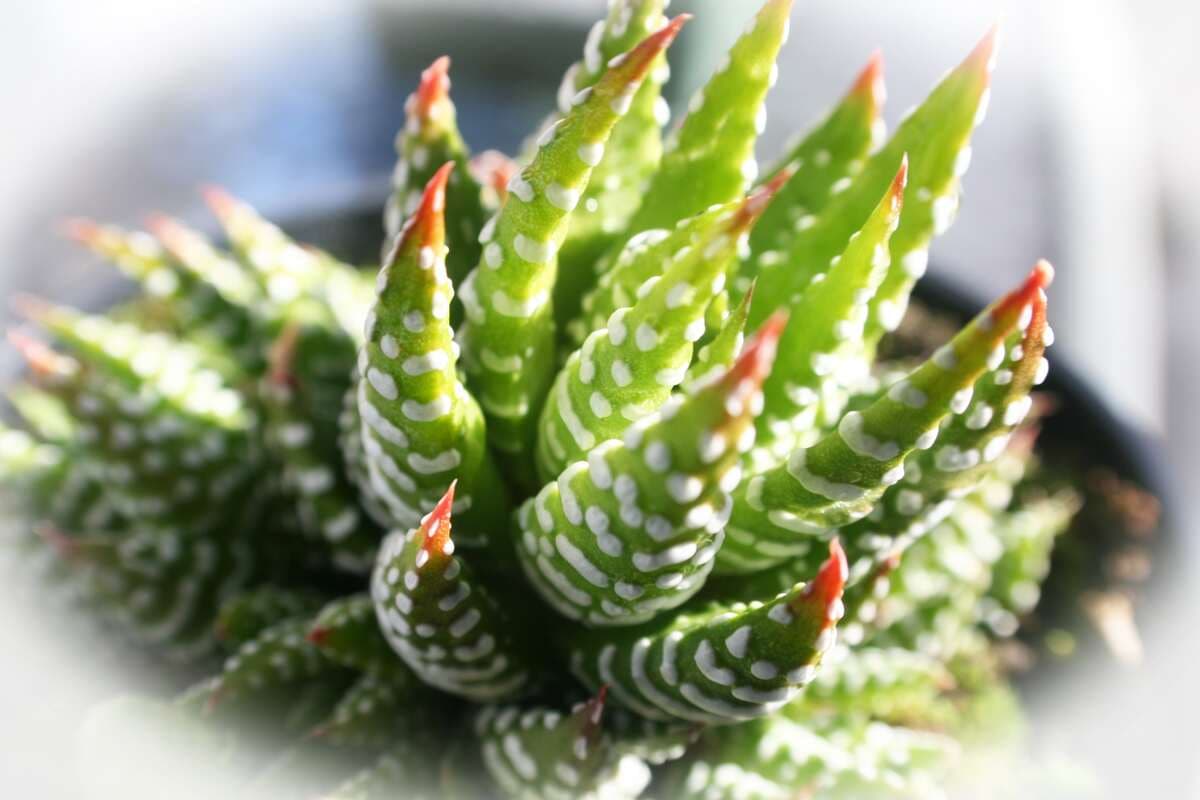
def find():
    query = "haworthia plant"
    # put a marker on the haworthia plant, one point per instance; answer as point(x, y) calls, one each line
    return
point(704, 544)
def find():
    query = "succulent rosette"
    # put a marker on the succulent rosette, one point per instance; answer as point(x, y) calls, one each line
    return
point(572, 495)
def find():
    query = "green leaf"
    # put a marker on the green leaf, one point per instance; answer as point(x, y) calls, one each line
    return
point(840, 479)
point(419, 426)
point(429, 139)
point(442, 622)
point(628, 367)
point(832, 150)
point(935, 137)
point(710, 157)
point(632, 531)
point(325, 500)
point(540, 752)
point(719, 663)
point(347, 633)
point(630, 158)
point(820, 348)
point(509, 339)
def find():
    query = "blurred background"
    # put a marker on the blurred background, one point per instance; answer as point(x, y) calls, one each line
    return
point(1089, 157)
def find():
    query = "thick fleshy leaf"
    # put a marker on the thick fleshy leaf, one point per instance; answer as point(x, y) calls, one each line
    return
point(347, 633)
point(374, 712)
point(839, 479)
point(630, 157)
point(191, 304)
point(628, 367)
point(326, 503)
point(279, 656)
point(721, 663)
point(632, 531)
point(446, 626)
point(429, 139)
point(287, 273)
point(250, 613)
point(969, 442)
point(935, 137)
point(1028, 535)
point(404, 771)
point(162, 432)
point(710, 157)
point(419, 426)
point(820, 348)
point(509, 339)
point(839, 757)
point(832, 150)
point(541, 752)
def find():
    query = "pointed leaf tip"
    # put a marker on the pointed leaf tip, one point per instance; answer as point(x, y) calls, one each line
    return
point(594, 709)
point(869, 83)
point(1030, 290)
point(1045, 270)
point(984, 54)
point(434, 86)
point(427, 225)
point(31, 307)
point(901, 179)
point(82, 230)
point(828, 585)
point(281, 356)
point(39, 357)
point(435, 527)
point(434, 199)
point(222, 204)
point(641, 56)
point(754, 364)
point(493, 168)
point(758, 200)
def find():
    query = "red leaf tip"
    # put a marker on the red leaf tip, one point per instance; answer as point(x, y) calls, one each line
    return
point(434, 199)
point(318, 636)
point(830, 581)
point(31, 307)
point(645, 51)
point(1031, 291)
point(983, 57)
point(869, 83)
point(435, 527)
point(759, 353)
point(493, 168)
point(281, 356)
point(901, 179)
point(757, 201)
point(80, 229)
point(592, 712)
point(223, 204)
point(434, 86)
point(1044, 271)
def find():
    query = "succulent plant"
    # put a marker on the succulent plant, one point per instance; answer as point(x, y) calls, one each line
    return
point(518, 511)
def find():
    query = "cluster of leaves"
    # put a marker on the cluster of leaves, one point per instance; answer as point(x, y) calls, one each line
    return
point(264, 454)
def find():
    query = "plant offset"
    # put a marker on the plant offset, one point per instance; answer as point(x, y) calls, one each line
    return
point(594, 488)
